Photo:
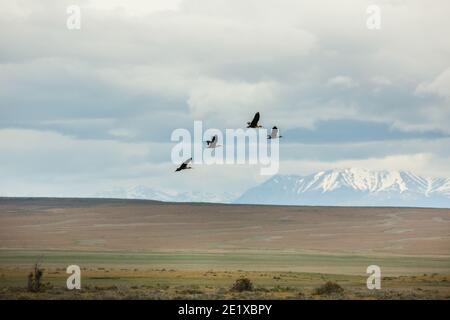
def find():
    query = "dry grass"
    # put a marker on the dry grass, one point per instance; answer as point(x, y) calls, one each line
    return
point(145, 226)
point(148, 250)
point(175, 284)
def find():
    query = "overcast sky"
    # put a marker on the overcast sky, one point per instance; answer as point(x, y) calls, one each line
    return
point(82, 111)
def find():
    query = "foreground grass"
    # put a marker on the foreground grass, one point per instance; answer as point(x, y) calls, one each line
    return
point(108, 283)
point(211, 276)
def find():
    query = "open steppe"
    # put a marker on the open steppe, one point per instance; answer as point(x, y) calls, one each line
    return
point(147, 249)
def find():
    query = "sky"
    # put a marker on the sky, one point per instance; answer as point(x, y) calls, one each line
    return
point(84, 111)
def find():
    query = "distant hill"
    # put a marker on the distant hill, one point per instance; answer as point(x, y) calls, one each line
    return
point(338, 187)
point(352, 187)
point(142, 192)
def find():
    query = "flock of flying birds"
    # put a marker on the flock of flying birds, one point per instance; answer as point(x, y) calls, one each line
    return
point(211, 144)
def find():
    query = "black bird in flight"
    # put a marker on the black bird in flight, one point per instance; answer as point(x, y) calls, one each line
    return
point(254, 123)
point(184, 165)
point(212, 143)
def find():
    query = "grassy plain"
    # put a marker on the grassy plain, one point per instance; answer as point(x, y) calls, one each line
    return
point(148, 250)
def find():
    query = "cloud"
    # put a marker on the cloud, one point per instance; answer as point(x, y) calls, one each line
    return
point(420, 163)
point(45, 163)
point(440, 86)
point(227, 101)
point(133, 8)
point(31, 153)
point(342, 82)
point(114, 90)
point(382, 81)
point(350, 131)
point(181, 54)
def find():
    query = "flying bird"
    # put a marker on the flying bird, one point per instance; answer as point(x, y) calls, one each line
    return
point(184, 165)
point(212, 143)
point(254, 123)
point(274, 134)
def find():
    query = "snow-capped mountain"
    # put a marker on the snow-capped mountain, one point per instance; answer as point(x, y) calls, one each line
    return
point(357, 187)
point(142, 192)
point(340, 187)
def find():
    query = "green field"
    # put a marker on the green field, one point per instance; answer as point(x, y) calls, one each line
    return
point(211, 275)
point(249, 261)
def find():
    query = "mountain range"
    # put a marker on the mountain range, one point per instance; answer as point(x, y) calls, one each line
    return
point(352, 187)
point(338, 187)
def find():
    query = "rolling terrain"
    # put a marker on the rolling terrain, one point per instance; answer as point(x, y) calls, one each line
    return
point(198, 250)
point(148, 226)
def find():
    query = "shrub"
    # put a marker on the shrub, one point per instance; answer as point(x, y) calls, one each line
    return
point(329, 288)
point(242, 284)
point(34, 279)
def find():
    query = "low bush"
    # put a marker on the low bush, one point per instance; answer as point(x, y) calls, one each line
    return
point(242, 284)
point(329, 288)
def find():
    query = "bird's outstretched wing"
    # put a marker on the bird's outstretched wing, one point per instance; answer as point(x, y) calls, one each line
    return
point(184, 165)
point(255, 120)
point(212, 141)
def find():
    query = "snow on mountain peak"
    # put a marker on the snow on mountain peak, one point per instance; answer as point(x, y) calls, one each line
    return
point(347, 186)
point(352, 186)
point(358, 179)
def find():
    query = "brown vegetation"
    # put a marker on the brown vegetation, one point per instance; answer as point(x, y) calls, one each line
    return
point(329, 288)
point(242, 284)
